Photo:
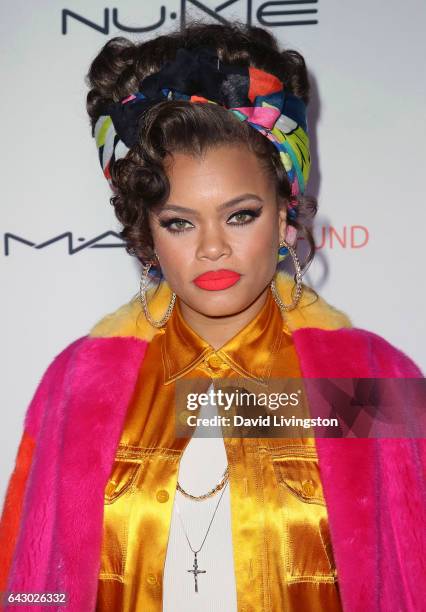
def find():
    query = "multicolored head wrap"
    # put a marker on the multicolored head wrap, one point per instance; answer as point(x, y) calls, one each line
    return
point(198, 76)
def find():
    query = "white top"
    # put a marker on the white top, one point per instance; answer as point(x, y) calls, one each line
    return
point(201, 469)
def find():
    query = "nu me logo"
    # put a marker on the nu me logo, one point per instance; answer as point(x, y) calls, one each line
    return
point(270, 14)
point(98, 242)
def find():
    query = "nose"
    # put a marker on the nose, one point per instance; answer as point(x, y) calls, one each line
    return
point(213, 244)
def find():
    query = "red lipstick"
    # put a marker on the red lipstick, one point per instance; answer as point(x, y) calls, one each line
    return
point(216, 280)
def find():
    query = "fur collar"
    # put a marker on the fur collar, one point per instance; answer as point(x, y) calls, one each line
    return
point(312, 311)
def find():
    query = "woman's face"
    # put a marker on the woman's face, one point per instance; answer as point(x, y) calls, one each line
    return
point(218, 234)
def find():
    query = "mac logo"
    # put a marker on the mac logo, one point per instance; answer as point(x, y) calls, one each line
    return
point(98, 242)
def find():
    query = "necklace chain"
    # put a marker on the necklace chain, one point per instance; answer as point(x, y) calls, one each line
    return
point(208, 529)
point(217, 488)
point(195, 570)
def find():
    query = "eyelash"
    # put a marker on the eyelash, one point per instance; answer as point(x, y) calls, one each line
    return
point(253, 214)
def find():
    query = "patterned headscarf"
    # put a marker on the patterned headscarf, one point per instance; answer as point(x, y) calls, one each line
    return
point(198, 76)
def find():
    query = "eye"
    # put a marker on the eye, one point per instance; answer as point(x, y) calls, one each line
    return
point(242, 217)
point(176, 225)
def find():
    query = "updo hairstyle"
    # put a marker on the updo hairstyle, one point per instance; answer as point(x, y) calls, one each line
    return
point(140, 180)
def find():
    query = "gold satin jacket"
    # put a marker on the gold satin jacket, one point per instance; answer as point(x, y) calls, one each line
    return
point(282, 549)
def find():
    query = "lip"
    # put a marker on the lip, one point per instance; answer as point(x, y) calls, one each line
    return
point(216, 280)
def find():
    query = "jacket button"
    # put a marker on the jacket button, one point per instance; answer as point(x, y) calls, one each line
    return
point(151, 579)
point(162, 496)
point(214, 361)
point(308, 488)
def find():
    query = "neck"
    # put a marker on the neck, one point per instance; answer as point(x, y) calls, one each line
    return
point(218, 330)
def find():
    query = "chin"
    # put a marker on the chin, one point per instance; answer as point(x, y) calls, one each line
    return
point(220, 304)
point(218, 311)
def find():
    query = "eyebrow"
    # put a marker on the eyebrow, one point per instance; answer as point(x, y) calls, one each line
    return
point(223, 206)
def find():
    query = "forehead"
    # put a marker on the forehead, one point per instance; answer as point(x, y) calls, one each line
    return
point(220, 173)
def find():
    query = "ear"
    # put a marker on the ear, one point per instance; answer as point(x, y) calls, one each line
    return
point(286, 232)
point(282, 218)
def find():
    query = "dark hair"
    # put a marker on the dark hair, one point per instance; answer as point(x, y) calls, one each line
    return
point(140, 179)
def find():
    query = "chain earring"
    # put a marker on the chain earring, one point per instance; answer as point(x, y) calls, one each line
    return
point(144, 282)
point(299, 287)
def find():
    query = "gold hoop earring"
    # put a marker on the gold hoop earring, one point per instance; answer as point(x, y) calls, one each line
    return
point(299, 286)
point(144, 282)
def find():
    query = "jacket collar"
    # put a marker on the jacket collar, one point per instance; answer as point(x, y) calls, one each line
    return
point(183, 349)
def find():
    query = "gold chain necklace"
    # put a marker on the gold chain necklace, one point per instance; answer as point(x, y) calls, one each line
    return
point(217, 488)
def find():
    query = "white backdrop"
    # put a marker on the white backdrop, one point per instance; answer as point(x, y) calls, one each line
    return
point(368, 134)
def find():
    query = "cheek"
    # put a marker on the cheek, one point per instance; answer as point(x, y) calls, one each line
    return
point(257, 245)
point(174, 252)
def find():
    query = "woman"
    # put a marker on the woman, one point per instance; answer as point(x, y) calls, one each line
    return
point(202, 136)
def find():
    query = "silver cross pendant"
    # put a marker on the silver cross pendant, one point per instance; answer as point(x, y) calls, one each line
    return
point(196, 571)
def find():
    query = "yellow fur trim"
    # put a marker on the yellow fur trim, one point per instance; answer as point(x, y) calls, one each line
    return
point(129, 320)
point(311, 311)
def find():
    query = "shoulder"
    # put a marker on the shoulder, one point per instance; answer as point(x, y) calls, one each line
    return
point(353, 352)
point(61, 359)
point(86, 366)
point(328, 342)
